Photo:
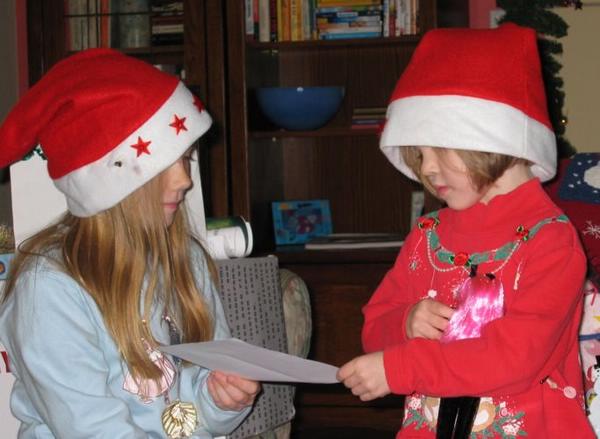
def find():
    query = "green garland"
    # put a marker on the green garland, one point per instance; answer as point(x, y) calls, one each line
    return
point(430, 222)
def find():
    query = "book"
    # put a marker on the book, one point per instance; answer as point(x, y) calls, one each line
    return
point(249, 19)
point(339, 241)
point(295, 20)
point(349, 3)
point(346, 35)
point(264, 21)
point(286, 33)
point(369, 110)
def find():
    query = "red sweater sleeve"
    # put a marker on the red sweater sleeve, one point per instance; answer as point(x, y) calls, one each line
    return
point(386, 312)
point(514, 352)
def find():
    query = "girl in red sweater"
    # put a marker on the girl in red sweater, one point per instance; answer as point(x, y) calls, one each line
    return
point(477, 321)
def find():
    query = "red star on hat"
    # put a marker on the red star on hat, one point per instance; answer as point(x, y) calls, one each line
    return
point(198, 103)
point(141, 146)
point(178, 124)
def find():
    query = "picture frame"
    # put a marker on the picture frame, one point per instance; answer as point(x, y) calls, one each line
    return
point(296, 222)
point(5, 259)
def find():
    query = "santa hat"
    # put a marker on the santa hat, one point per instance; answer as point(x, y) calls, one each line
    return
point(107, 124)
point(479, 90)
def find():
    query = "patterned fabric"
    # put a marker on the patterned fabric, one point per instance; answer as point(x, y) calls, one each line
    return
point(581, 180)
point(581, 203)
point(263, 305)
point(298, 327)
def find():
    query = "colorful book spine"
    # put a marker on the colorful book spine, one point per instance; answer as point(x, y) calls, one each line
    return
point(279, 20)
point(249, 19)
point(386, 18)
point(295, 20)
point(348, 2)
point(286, 20)
point(354, 9)
point(348, 35)
point(273, 20)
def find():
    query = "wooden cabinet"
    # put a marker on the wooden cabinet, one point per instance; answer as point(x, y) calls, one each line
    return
point(340, 283)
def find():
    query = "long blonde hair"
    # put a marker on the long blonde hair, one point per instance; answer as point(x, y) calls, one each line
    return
point(126, 258)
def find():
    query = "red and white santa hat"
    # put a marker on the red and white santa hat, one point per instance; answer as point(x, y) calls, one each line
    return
point(107, 124)
point(473, 89)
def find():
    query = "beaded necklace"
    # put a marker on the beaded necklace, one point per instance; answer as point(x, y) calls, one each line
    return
point(179, 418)
point(437, 253)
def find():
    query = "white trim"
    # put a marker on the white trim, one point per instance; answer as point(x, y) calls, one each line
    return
point(453, 121)
point(102, 184)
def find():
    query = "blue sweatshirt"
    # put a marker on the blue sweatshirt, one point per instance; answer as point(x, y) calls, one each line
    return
point(69, 374)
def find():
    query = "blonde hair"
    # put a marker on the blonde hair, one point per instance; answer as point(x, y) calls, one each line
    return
point(125, 256)
point(484, 168)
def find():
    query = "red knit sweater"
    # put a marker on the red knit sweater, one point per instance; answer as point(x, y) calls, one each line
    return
point(525, 366)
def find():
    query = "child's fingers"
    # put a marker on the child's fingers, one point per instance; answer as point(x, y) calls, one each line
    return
point(345, 371)
point(212, 389)
point(442, 310)
point(245, 385)
point(438, 322)
point(232, 396)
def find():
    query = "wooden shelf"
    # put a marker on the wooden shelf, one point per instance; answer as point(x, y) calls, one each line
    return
point(298, 255)
point(323, 132)
point(153, 50)
point(343, 43)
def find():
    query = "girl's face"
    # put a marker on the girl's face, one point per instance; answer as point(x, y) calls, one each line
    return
point(449, 176)
point(175, 181)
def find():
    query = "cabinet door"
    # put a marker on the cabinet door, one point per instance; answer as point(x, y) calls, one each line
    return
point(338, 292)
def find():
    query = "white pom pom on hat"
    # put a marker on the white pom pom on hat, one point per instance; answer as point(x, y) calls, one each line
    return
point(473, 89)
point(107, 124)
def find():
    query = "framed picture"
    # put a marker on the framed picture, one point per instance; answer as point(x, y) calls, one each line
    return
point(295, 222)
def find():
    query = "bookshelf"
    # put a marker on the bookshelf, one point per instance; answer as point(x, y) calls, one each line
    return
point(336, 162)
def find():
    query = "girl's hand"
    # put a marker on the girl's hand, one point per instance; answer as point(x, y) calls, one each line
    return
point(365, 376)
point(232, 392)
point(428, 319)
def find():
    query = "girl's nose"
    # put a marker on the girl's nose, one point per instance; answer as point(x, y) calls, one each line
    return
point(181, 174)
point(429, 165)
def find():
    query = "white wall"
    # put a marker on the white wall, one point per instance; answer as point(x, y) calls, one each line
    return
point(581, 73)
point(8, 87)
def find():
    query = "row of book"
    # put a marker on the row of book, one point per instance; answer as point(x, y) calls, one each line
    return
point(368, 117)
point(301, 20)
point(123, 24)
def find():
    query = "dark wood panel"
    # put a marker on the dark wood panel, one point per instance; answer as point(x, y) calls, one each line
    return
point(237, 100)
point(212, 72)
point(338, 292)
point(290, 255)
point(341, 422)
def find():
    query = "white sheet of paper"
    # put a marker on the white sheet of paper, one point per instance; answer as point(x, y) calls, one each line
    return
point(253, 362)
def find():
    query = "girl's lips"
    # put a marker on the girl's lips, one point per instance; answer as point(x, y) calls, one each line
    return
point(441, 190)
point(171, 206)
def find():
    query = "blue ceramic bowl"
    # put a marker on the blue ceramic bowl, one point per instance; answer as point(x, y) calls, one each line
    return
point(299, 108)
